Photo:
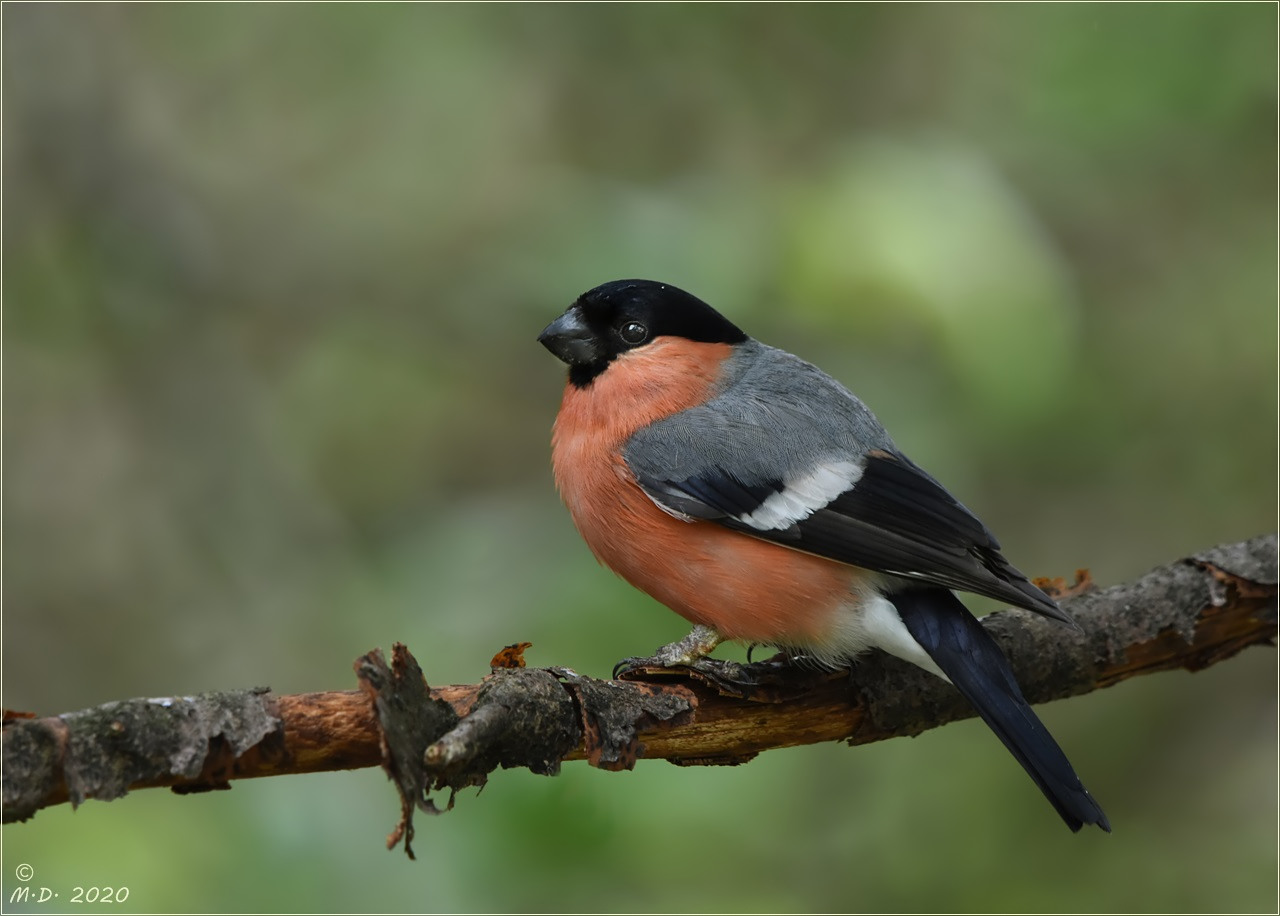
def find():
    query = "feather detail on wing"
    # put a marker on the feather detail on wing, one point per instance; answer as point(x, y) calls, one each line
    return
point(884, 514)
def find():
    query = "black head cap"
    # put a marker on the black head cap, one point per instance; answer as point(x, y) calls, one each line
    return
point(625, 314)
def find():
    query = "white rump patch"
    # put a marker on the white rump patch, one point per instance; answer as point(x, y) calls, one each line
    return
point(885, 630)
point(803, 496)
point(870, 621)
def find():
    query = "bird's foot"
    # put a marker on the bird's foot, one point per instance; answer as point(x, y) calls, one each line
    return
point(686, 652)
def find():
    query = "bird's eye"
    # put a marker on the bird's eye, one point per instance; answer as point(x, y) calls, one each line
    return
point(633, 332)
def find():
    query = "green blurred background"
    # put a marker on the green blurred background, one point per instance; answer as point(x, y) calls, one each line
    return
point(273, 398)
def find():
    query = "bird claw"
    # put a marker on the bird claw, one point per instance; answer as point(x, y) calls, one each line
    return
point(685, 653)
point(633, 663)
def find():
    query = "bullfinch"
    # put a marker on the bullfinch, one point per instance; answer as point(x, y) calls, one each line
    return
point(758, 498)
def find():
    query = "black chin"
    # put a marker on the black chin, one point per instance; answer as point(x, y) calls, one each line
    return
point(581, 376)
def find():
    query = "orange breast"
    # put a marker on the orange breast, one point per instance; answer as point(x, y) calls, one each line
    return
point(743, 587)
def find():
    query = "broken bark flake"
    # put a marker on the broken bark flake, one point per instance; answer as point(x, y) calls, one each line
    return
point(110, 747)
point(1241, 571)
point(613, 715)
point(529, 721)
point(409, 721)
point(1254, 560)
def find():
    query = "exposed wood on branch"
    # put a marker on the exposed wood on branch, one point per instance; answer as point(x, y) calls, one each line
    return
point(1189, 614)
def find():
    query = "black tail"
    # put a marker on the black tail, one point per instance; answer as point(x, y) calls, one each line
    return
point(967, 654)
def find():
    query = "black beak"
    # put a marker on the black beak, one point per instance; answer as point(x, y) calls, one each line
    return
point(569, 338)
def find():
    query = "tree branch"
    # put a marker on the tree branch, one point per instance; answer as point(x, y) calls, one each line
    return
point(1189, 614)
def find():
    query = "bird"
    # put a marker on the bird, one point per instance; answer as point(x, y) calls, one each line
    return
point(761, 500)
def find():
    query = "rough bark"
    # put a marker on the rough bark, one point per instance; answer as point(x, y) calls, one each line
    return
point(1189, 614)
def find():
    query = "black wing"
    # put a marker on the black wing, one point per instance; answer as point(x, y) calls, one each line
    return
point(894, 518)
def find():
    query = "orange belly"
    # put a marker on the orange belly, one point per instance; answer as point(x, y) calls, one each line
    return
point(745, 588)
